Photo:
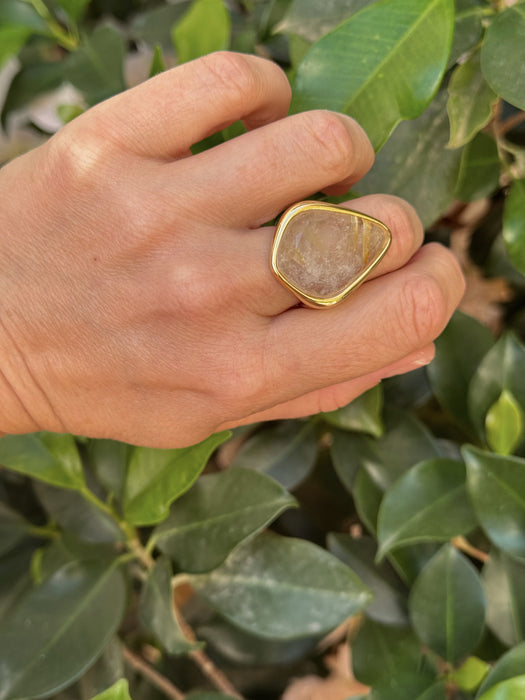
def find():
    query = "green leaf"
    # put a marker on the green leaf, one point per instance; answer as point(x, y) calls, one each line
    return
point(447, 605)
point(504, 424)
point(468, 28)
point(367, 498)
point(512, 689)
point(67, 113)
point(310, 20)
point(156, 477)
point(119, 691)
point(428, 503)
point(470, 674)
point(30, 82)
point(470, 101)
point(209, 696)
point(428, 178)
point(17, 13)
point(282, 588)
point(203, 29)
point(356, 68)
point(480, 169)
point(157, 613)
point(13, 529)
point(157, 63)
point(154, 26)
point(503, 583)
point(74, 8)
point(502, 52)
point(12, 39)
point(217, 514)
point(108, 461)
point(363, 415)
point(514, 224)
point(40, 637)
point(286, 451)
point(459, 350)
point(96, 67)
point(496, 486)
point(45, 456)
point(344, 451)
point(15, 578)
point(508, 666)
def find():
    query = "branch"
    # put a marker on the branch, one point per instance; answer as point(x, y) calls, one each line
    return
point(155, 678)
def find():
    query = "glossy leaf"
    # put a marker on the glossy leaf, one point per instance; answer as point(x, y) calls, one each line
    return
point(119, 691)
point(363, 415)
point(282, 588)
point(350, 71)
point(40, 651)
point(504, 424)
point(503, 583)
point(514, 224)
point(468, 28)
point(15, 578)
point(217, 514)
point(502, 51)
point(428, 503)
point(156, 477)
point(13, 529)
point(470, 101)
point(512, 689)
point(470, 674)
point(480, 169)
point(508, 666)
point(203, 29)
point(287, 452)
point(74, 8)
point(310, 20)
point(44, 456)
point(447, 605)
point(108, 460)
point(367, 497)
point(496, 486)
point(157, 613)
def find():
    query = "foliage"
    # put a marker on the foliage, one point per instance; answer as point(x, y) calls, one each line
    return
point(107, 552)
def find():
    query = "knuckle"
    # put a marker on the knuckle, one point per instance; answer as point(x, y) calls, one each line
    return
point(333, 146)
point(421, 310)
point(232, 72)
point(404, 217)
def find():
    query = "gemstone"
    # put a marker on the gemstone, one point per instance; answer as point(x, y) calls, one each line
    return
point(323, 251)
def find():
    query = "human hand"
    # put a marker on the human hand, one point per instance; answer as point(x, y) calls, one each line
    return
point(136, 297)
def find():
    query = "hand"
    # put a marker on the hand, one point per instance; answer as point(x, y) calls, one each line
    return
point(136, 298)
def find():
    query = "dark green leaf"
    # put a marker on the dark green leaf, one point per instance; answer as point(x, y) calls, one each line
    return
point(503, 583)
point(287, 452)
point(504, 424)
point(40, 637)
point(119, 691)
point(17, 13)
point(468, 28)
point(156, 477)
point(514, 224)
point(311, 20)
point(282, 588)
point(363, 415)
point(157, 63)
point(367, 497)
point(355, 69)
point(447, 605)
point(435, 692)
point(13, 529)
point(108, 460)
point(513, 689)
point(502, 52)
point(44, 456)
point(509, 665)
point(480, 169)
point(30, 82)
point(496, 486)
point(15, 578)
point(203, 29)
point(74, 8)
point(157, 613)
point(428, 503)
point(217, 514)
point(344, 450)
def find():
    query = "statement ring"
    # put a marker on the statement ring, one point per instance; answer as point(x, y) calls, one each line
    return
point(321, 252)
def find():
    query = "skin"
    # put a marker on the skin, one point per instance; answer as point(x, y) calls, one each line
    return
point(136, 297)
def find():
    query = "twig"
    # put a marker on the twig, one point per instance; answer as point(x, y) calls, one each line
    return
point(510, 123)
point(464, 546)
point(155, 678)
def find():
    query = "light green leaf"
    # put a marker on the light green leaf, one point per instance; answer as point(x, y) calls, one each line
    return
point(504, 424)
point(282, 588)
point(447, 605)
point(502, 53)
point(157, 613)
point(204, 28)
point(470, 101)
point(363, 415)
point(357, 68)
point(12, 39)
point(40, 637)
point(470, 674)
point(468, 28)
point(512, 689)
point(286, 451)
point(496, 485)
point(13, 529)
point(119, 691)
point(480, 169)
point(156, 477)
point(503, 583)
point(508, 666)
point(217, 514)
point(157, 62)
point(514, 224)
point(45, 456)
point(428, 503)
point(74, 8)
point(311, 20)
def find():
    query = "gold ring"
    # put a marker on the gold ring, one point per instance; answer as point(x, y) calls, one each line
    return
point(322, 252)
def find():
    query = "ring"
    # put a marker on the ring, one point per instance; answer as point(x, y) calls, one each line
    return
point(322, 252)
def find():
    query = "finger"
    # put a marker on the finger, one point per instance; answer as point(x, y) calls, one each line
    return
point(167, 114)
point(252, 178)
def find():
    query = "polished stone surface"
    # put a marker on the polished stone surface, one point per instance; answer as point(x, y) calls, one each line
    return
point(322, 253)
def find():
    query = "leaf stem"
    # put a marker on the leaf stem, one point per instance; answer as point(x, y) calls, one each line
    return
point(67, 40)
point(46, 532)
point(155, 678)
point(464, 546)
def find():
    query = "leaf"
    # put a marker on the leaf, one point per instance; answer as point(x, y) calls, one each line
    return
point(44, 456)
point(470, 101)
point(503, 584)
point(514, 224)
point(502, 51)
point(30, 82)
point(154, 26)
point(217, 514)
point(108, 460)
point(459, 350)
point(428, 503)
point(310, 20)
point(496, 486)
point(356, 68)
point(344, 451)
point(504, 424)
point(157, 613)
point(508, 666)
point(12, 39)
point(363, 415)
point(157, 63)
point(156, 477)
point(367, 498)
point(13, 529)
point(468, 28)
point(67, 113)
point(119, 691)
point(74, 8)
point(209, 696)
point(40, 637)
point(470, 674)
point(282, 588)
point(447, 605)
point(286, 451)
point(17, 13)
point(416, 165)
point(96, 67)
point(204, 28)
point(512, 689)
point(15, 579)
point(389, 605)
point(480, 169)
